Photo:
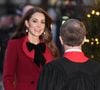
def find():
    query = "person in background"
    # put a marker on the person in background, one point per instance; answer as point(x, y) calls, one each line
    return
point(73, 71)
point(29, 49)
point(17, 17)
point(27, 7)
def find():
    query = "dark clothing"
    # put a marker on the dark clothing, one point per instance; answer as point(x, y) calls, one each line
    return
point(63, 74)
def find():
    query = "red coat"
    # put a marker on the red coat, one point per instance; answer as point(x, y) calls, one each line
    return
point(20, 73)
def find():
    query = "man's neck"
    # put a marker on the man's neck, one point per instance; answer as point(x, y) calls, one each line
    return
point(74, 48)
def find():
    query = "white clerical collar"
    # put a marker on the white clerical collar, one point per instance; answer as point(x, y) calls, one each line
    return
point(73, 49)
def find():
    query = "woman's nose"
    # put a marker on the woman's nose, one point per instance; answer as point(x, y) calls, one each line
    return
point(39, 24)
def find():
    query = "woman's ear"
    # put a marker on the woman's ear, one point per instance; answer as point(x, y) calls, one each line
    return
point(61, 40)
point(26, 23)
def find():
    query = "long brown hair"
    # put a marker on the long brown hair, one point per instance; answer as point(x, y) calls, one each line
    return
point(46, 37)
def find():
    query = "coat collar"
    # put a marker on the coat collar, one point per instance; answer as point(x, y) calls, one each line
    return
point(25, 49)
point(75, 55)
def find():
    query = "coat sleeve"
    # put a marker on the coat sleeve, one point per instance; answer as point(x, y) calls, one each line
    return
point(51, 78)
point(9, 66)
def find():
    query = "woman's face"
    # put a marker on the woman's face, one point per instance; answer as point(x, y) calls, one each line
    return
point(36, 24)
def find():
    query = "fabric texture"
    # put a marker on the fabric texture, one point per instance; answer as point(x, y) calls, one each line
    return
point(20, 72)
point(63, 74)
point(39, 50)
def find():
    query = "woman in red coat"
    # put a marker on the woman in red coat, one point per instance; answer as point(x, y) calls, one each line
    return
point(29, 49)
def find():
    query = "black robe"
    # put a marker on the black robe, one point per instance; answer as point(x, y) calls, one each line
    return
point(63, 74)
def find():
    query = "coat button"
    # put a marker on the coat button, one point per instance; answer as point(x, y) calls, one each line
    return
point(32, 82)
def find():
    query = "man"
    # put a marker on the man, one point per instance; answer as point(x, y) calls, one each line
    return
point(73, 71)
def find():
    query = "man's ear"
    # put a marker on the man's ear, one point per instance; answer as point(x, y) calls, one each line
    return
point(84, 40)
point(61, 40)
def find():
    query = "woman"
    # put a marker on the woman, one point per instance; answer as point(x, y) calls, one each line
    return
point(29, 49)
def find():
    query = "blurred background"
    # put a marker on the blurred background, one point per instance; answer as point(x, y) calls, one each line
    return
point(87, 11)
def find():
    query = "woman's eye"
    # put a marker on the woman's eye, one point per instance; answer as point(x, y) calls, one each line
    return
point(43, 22)
point(34, 21)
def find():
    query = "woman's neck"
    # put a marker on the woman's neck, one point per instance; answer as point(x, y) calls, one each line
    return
point(33, 39)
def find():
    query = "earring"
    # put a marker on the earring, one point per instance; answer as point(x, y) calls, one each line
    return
point(26, 30)
point(44, 33)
